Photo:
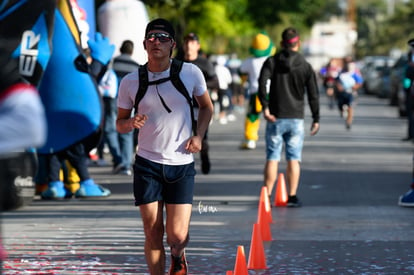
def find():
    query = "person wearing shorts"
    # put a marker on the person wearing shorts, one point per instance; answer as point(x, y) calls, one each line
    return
point(286, 131)
point(347, 84)
point(291, 77)
point(164, 163)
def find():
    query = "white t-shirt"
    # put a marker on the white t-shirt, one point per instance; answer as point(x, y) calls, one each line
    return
point(163, 137)
point(224, 76)
point(347, 81)
point(252, 66)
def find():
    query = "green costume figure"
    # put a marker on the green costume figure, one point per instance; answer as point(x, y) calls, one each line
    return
point(262, 47)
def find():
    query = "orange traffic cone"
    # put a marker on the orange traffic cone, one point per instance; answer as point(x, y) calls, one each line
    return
point(263, 221)
point(229, 272)
point(264, 196)
point(257, 259)
point(281, 196)
point(240, 268)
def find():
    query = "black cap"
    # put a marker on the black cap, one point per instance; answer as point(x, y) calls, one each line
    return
point(191, 36)
point(162, 25)
point(290, 36)
point(411, 42)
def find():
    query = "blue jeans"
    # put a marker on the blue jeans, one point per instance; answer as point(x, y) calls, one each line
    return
point(126, 145)
point(110, 135)
point(288, 131)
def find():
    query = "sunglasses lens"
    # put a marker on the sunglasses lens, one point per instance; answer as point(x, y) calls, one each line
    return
point(162, 37)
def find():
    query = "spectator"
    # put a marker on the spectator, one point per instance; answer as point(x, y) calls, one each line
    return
point(224, 95)
point(409, 92)
point(122, 65)
point(192, 54)
point(108, 87)
point(236, 87)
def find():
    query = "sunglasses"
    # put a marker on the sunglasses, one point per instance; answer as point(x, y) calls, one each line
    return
point(162, 37)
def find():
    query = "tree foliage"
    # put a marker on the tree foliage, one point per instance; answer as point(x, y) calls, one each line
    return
point(227, 26)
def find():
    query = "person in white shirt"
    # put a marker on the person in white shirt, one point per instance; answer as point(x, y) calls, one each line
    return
point(164, 164)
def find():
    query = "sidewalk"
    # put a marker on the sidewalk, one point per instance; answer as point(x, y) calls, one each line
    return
point(350, 222)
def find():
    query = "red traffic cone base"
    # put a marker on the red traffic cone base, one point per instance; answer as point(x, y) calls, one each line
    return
point(281, 196)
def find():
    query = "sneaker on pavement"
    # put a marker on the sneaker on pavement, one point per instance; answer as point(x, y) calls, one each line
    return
point(56, 190)
point(248, 145)
point(88, 188)
point(293, 201)
point(125, 171)
point(117, 168)
point(407, 200)
point(101, 162)
point(223, 121)
point(231, 117)
point(178, 265)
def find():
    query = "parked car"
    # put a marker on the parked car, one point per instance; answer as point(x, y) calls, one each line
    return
point(376, 73)
point(396, 79)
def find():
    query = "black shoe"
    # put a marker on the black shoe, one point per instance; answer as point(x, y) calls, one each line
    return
point(293, 201)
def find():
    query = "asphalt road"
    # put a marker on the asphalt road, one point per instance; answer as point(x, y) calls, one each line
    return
point(349, 223)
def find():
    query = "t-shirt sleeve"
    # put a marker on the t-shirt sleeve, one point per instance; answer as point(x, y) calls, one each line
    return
point(127, 91)
point(193, 79)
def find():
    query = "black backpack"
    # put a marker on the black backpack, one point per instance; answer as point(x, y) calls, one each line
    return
point(174, 77)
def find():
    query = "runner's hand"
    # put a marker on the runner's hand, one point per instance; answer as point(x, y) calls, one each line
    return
point(194, 144)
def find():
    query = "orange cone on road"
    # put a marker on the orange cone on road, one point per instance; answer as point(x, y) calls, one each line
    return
point(264, 197)
point(263, 222)
point(281, 196)
point(229, 272)
point(240, 267)
point(257, 258)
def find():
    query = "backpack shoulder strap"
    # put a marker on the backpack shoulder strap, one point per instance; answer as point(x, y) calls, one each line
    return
point(175, 70)
point(142, 85)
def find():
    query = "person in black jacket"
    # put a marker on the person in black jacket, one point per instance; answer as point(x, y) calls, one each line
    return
point(291, 77)
point(192, 54)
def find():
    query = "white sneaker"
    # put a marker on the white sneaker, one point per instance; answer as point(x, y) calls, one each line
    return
point(251, 144)
point(231, 117)
point(223, 120)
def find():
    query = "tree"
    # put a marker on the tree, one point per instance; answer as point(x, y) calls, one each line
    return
point(228, 26)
